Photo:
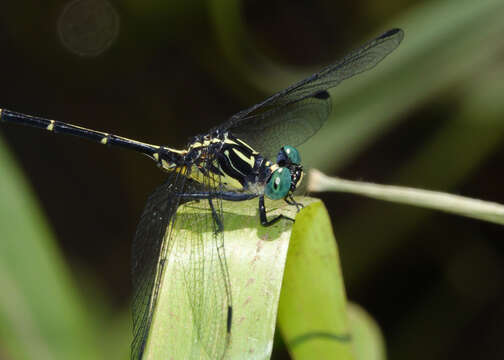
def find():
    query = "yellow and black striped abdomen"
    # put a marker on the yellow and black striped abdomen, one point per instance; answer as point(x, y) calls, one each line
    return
point(167, 158)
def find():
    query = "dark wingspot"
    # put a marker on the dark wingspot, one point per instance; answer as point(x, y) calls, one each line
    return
point(322, 95)
point(229, 318)
point(390, 33)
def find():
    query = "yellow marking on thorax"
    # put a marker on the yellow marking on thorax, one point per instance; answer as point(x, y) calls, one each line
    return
point(274, 167)
point(214, 180)
point(229, 141)
point(166, 165)
point(205, 143)
point(226, 152)
point(104, 139)
point(250, 161)
point(50, 127)
point(243, 143)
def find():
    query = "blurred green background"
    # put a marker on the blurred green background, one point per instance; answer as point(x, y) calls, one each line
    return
point(430, 116)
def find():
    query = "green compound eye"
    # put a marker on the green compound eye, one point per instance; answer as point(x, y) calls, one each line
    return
point(292, 154)
point(279, 184)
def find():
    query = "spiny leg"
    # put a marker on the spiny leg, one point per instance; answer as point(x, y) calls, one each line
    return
point(230, 196)
point(290, 200)
point(264, 219)
point(224, 195)
point(217, 219)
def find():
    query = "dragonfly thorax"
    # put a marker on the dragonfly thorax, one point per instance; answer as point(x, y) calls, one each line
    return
point(222, 161)
point(227, 162)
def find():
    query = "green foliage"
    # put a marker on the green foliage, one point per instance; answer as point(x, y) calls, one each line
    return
point(42, 315)
point(312, 311)
point(255, 258)
point(312, 315)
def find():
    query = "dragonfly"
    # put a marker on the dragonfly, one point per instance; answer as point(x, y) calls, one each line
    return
point(231, 162)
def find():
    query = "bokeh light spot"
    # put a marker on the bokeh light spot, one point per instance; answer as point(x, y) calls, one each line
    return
point(88, 27)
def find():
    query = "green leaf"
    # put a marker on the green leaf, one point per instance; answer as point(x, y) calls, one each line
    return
point(41, 316)
point(367, 338)
point(255, 258)
point(312, 315)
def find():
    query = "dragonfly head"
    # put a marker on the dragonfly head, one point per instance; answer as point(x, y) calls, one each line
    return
point(286, 174)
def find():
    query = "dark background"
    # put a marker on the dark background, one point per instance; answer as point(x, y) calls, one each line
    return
point(432, 281)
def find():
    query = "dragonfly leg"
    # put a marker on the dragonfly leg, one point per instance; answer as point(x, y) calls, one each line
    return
point(290, 200)
point(224, 195)
point(264, 219)
point(216, 217)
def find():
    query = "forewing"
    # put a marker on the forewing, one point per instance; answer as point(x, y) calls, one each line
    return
point(306, 104)
point(172, 235)
point(205, 271)
point(150, 240)
point(289, 124)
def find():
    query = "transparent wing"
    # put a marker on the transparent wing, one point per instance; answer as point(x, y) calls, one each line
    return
point(289, 124)
point(150, 239)
point(293, 115)
point(173, 235)
point(205, 275)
